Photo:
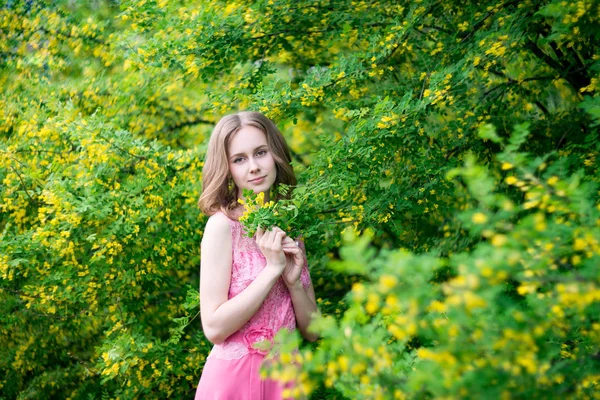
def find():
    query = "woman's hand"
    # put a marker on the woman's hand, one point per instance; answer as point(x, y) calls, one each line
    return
point(270, 244)
point(294, 262)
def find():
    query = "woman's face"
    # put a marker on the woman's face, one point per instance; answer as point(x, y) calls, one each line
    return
point(251, 162)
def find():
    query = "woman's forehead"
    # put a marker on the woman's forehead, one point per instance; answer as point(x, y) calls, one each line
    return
point(247, 139)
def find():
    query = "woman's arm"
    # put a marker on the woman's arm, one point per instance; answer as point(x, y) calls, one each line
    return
point(222, 317)
point(305, 308)
point(305, 305)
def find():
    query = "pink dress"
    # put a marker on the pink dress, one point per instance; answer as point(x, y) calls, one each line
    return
point(232, 368)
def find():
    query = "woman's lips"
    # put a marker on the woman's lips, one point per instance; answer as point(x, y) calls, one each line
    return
point(258, 180)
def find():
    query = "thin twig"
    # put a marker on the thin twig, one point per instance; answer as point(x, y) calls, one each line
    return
point(23, 184)
point(479, 24)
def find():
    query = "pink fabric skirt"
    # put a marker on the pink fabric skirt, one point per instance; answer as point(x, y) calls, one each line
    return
point(237, 379)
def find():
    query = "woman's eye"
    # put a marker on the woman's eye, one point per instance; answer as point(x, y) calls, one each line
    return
point(261, 152)
point(237, 160)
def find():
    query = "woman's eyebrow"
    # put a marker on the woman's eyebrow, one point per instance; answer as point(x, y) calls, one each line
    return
point(241, 154)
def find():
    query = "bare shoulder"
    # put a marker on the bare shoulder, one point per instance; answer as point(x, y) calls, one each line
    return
point(217, 228)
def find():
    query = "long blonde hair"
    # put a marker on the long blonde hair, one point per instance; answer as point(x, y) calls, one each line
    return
point(219, 192)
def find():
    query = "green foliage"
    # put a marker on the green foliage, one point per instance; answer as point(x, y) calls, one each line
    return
point(100, 212)
point(518, 318)
point(266, 215)
point(284, 213)
point(448, 138)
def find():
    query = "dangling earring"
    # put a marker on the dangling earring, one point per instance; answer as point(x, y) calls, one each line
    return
point(231, 188)
point(231, 195)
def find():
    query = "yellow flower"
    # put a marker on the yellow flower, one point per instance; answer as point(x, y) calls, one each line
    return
point(260, 198)
point(479, 218)
point(372, 303)
point(358, 368)
point(437, 306)
point(387, 282)
point(286, 358)
point(579, 244)
point(511, 180)
point(358, 289)
point(343, 362)
point(499, 240)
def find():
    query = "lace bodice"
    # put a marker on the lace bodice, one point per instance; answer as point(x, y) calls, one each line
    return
point(275, 313)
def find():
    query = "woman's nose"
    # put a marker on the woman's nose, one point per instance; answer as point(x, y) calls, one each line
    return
point(253, 165)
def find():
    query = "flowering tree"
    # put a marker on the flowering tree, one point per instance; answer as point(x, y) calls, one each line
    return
point(457, 140)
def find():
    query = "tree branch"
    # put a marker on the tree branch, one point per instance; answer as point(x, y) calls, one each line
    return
point(181, 125)
point(479, 24)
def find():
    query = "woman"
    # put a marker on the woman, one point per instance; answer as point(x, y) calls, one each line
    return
point(250, 288)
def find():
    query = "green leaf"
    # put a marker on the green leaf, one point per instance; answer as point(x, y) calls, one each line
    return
point(488, 131)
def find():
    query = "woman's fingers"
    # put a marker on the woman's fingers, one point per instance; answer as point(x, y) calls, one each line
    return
point(274, 240)
point(275, 236)
point(299, 257)
point(288, 242)
point(278, 235)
